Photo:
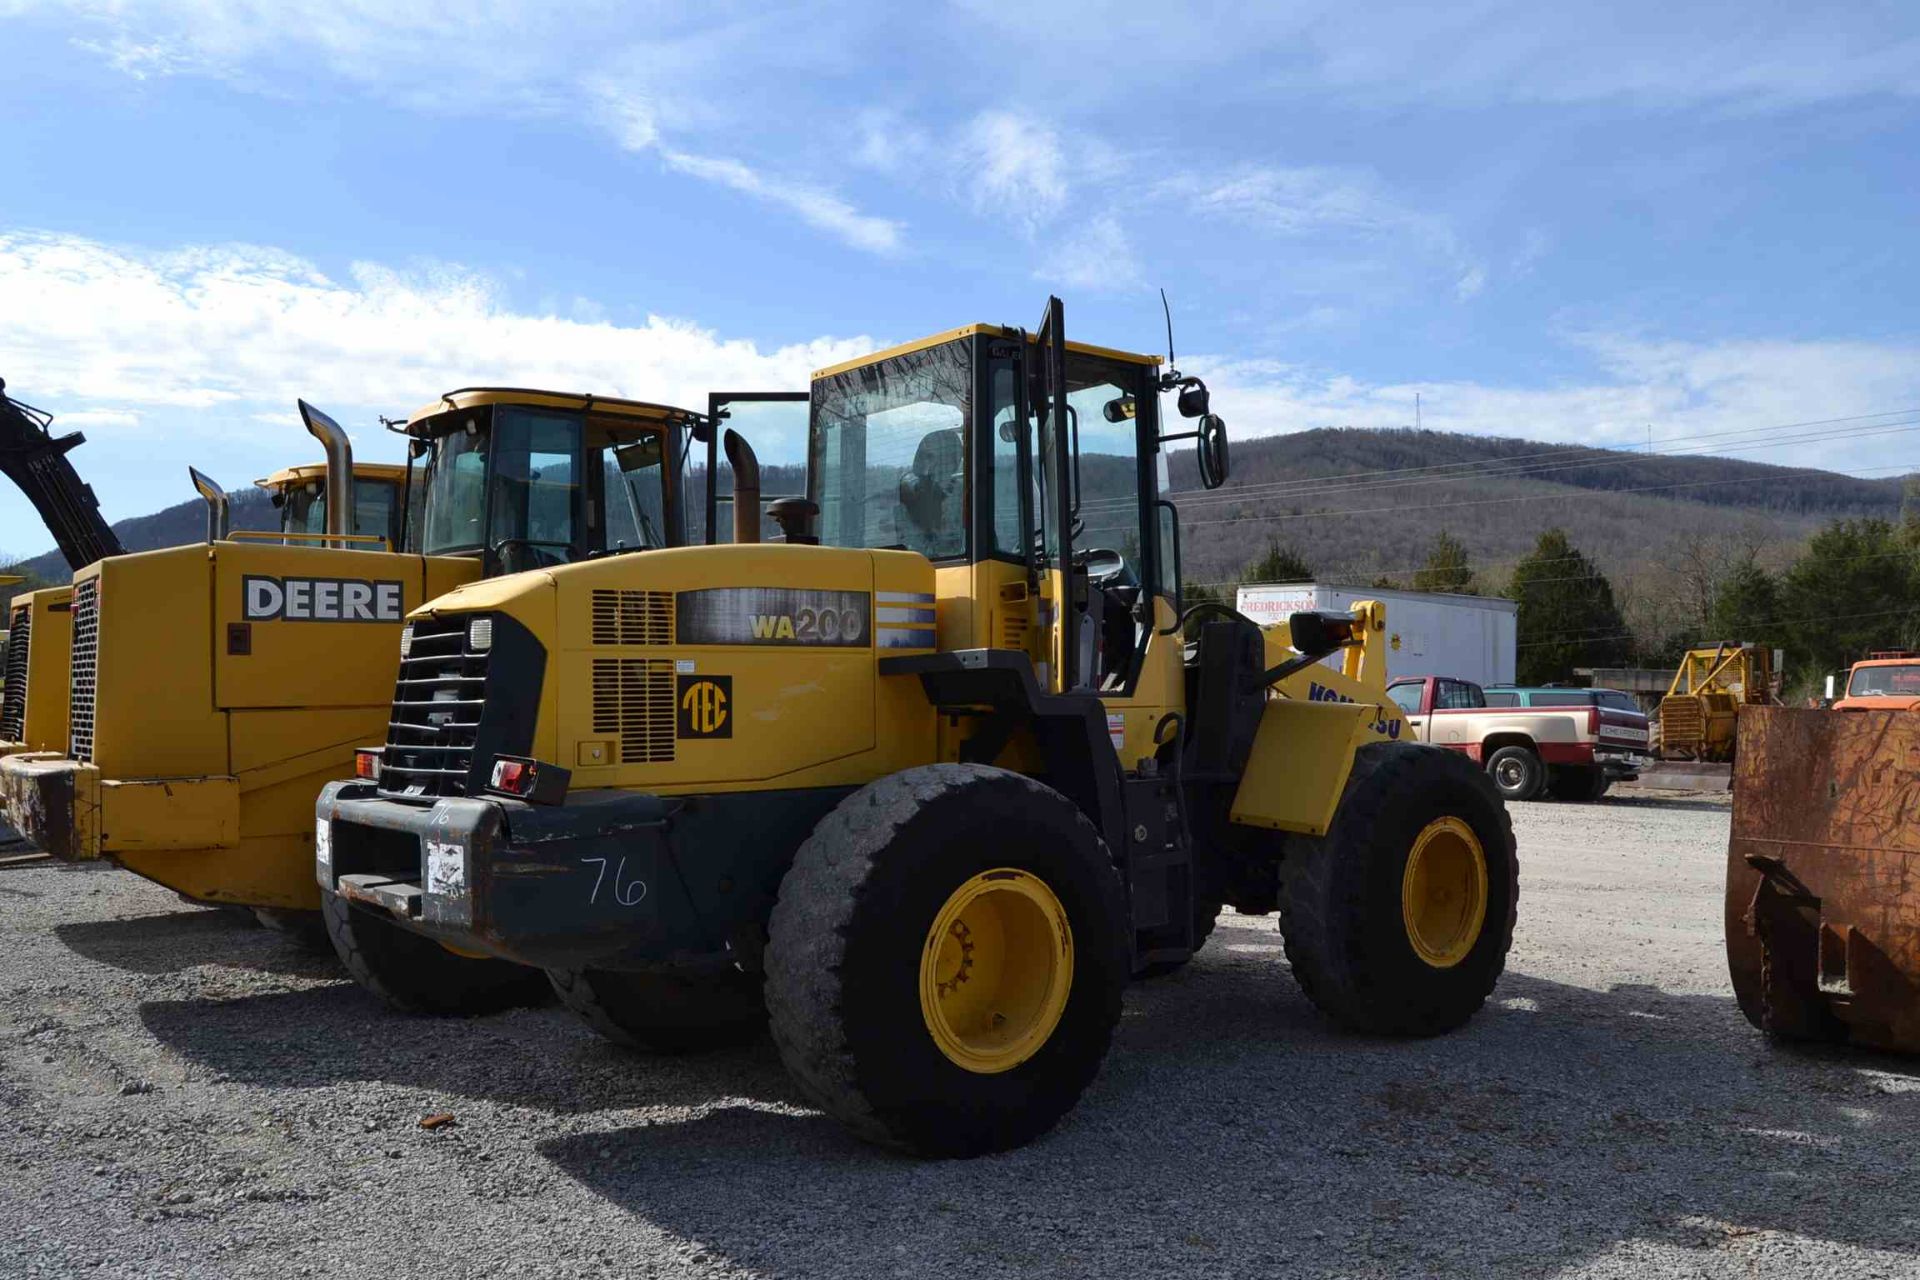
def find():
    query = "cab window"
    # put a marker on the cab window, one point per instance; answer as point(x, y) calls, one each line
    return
point(1407, 697)
point(373, 509)
point(1457, 695)
point(889, 465)
point(536, 483)
point(1101, 404)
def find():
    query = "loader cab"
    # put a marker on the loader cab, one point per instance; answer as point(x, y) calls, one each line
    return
point(300, 494)
point(528, 480)
point(1029, 470)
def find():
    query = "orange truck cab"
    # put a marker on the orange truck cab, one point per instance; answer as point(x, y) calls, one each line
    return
point(1884, 682)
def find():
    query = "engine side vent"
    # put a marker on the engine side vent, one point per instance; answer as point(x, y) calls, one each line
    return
point(86, 667)
point(633, 699)
point(632, 617)
point(13, 694)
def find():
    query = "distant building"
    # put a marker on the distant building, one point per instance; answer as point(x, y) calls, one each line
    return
point(1428, 632)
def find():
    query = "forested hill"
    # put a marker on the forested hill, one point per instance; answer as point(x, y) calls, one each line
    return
point(169, 527)
point(1359, 503)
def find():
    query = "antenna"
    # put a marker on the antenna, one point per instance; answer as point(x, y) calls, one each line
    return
point(1169, 314)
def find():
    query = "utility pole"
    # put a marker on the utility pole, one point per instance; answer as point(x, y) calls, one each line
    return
point(1416, 411)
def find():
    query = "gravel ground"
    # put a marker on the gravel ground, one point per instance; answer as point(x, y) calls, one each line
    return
point(181, 1094)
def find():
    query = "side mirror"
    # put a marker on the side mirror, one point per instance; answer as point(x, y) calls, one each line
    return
point(1194, 401)
point(1212, 454)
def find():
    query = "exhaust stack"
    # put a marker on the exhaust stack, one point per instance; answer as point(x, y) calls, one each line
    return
point(339, 471)
point(746, 486)
point(219, 511)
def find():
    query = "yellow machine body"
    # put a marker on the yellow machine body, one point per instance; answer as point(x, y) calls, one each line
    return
point(33, 712)
point(1699, 716)
point(220, 685)
point(201, 729)
point(1314, 722)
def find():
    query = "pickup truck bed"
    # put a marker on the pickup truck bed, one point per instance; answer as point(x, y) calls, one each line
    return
point(1574, 753)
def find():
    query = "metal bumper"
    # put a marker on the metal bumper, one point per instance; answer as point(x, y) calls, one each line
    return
point(69, 810)
point(54, 803)
point(1620, 766)
point(610, 879)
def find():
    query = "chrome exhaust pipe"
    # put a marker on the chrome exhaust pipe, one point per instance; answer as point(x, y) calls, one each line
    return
point(219, 510)
point(746, 486)
point(339, 471)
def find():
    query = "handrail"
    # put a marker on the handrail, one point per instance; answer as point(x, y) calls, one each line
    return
point(273, 535)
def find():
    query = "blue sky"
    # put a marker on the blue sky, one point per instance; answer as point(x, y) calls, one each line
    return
point(1559, 223)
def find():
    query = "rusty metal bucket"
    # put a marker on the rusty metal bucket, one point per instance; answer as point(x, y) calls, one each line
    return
point(1823, 875)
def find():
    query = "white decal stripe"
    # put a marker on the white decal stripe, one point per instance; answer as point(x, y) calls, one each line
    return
point(886, 615)
point(904, 639)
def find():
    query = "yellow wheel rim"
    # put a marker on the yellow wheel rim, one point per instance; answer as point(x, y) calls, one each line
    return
point(996, 970)
point(1443, 894)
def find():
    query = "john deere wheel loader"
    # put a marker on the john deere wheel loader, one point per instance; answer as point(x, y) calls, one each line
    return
point(34, 670)
point(216, 687)
point(926, 783)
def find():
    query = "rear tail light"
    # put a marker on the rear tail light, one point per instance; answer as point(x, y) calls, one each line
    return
point(530, 780)
point(366, 764)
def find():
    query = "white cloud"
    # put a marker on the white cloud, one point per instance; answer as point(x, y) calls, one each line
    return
point(815, 206)
point(204, 339)
point(100, 418)
point(1013, 167)
point(1634, 52)
point(1097, 257)
point(1682, 390)
point(627, 111)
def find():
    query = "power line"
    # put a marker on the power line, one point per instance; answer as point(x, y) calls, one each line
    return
point(1563, 449)
point(1494, 469)
point(1617, 567)
point(1576, 637)
point(1534, 497)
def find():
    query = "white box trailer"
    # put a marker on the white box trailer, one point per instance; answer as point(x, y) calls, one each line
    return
point(1429, 633)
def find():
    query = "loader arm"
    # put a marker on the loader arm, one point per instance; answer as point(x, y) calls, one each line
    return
point(36, 461)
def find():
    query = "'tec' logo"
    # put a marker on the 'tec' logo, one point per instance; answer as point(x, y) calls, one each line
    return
point(706, 706)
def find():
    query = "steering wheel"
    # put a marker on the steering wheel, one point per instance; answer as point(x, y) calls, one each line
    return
point(1106, 568)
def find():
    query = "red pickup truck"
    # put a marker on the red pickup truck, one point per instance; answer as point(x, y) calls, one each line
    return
point(1573, 753)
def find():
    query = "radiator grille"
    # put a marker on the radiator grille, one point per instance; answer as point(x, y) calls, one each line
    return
point(437, 703)
point(13, 694)
point(86, 667)
point(633, 617)
point(633, 698)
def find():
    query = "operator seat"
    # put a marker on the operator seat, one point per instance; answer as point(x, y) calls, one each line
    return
point(926, 516)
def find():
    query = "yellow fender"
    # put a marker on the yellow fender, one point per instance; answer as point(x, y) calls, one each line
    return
point(1315, 721)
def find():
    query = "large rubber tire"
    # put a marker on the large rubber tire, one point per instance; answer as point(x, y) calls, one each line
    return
point(1341, 907)
point(852, 923)
point(304, 929)
point(415, 974)
point(1578, 785)
point(667, 1012)
point(1517, 772)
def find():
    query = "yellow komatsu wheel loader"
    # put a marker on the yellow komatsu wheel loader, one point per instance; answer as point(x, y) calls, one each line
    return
point(924, 783)
point(214, 688)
